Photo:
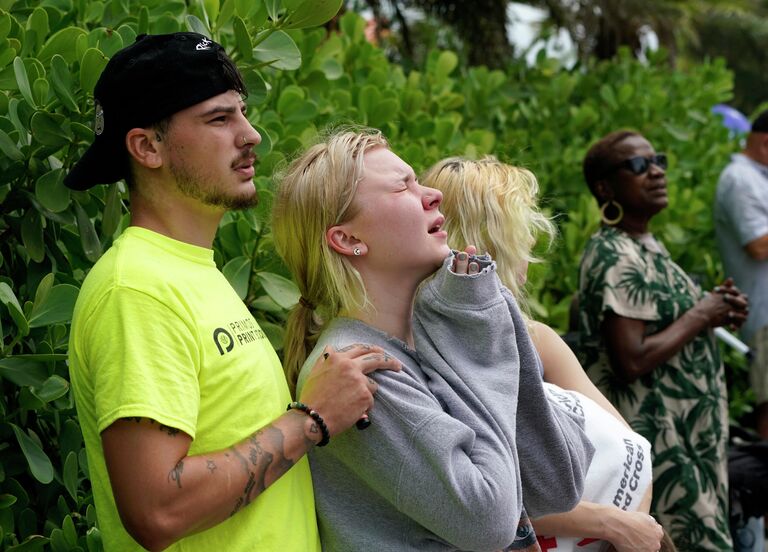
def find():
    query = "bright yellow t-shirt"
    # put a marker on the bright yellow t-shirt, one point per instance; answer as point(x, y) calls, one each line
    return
point(159, 333)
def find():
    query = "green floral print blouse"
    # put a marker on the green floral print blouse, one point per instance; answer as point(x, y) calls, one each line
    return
point(682, 406)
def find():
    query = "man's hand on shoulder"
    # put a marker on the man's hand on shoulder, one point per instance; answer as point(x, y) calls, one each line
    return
point(338, 387)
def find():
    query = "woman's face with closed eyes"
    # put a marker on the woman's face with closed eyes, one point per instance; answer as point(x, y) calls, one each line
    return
point(397, 220)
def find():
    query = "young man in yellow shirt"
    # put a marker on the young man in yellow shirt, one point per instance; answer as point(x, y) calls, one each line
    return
point(181, 398)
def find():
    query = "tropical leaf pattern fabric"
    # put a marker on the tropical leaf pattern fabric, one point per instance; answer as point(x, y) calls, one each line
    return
point(681, 407)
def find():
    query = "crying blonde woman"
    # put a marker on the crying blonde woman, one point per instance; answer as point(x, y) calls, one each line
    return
point(448, 459)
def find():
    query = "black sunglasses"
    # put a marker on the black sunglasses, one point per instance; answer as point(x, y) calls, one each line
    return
point(640, 165)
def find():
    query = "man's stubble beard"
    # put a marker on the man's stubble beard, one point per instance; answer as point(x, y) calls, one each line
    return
point(193, 186)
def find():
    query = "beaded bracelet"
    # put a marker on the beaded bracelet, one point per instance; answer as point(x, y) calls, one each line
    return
point(316, 417)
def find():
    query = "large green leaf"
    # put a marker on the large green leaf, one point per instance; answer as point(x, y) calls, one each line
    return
point(62, 43)
point(38, 22)
point(238, 272)
point(59, 541)
point(33, 543)
point(113, 210)
point(39, 463)
point(53, 388)
point(56, 308)
point(5, 24)
point(257, 86)
point(290, 98)
point(446, 63)
point(70, 533)
point(40, 89)
point(51, 192)
point(7, 53)
point(275, 333)
point(368, 98)
point(23, 372)
point(283, 291)
point(51, 129)
point(91, 66)
point(109, 42)
point(6, 501)
point(88, 237)
point(265, 146)
point(8, 298)
point(32, 235)
point(211, 8)
point(70, 475)
point(143, 25)
point(242, 39)
point(310, 13)
point(93, 538)
point(70, 438)
point(9, 148)
point(273, 8)
point(61, 80)
point(22, 81)
point(279, 50)
point(226, 11)
point(195, 25)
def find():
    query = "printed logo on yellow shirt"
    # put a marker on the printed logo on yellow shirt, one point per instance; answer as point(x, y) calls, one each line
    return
point(239, 332)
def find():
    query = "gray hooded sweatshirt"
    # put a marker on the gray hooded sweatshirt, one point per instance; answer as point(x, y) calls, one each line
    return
point(438, 469)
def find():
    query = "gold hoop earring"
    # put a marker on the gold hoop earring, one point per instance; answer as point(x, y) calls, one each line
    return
point(619, 216)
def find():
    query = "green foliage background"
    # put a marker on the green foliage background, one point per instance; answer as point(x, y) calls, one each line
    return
point(301, 80)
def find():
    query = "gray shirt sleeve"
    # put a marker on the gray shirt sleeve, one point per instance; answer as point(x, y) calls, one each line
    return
point(553, 450)
point(468, 329)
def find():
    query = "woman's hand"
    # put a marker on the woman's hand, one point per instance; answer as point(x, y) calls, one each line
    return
point(461, 264)
point(633, 531)
point(737, 299)
point(725, 306)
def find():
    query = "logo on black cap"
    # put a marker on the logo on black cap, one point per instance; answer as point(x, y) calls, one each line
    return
point(204, 44)
point(98, 118)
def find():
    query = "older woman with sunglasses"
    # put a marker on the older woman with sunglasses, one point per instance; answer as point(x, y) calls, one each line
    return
point(647, 343)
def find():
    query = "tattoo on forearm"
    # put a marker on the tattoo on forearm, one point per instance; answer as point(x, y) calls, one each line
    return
point(260, 461)
point(211, 465)
point(172, 431)
point(175, 473)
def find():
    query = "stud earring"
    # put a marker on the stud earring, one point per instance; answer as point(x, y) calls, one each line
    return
point(357, 251)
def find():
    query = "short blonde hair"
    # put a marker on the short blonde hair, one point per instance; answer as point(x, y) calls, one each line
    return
point(316, 192)
point(493, 206)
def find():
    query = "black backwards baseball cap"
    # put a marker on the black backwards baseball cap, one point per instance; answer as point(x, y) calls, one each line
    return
point(144, 83)
point(760, 124)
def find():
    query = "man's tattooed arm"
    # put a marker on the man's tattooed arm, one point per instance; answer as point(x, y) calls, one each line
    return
point(165, 493)
point(266, 460)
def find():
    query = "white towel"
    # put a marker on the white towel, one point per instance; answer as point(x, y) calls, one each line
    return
point(620, 472)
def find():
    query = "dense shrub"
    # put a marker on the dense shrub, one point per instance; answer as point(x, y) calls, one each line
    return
point(301, 80)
